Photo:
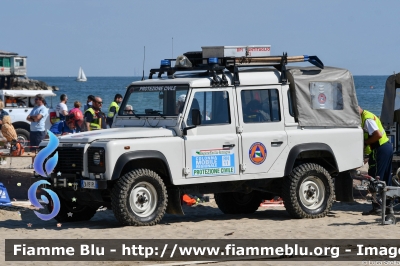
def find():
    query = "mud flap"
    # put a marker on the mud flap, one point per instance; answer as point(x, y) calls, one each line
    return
point(344, 187)
point(174, 202)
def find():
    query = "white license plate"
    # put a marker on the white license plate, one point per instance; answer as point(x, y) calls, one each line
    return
point(89, 184)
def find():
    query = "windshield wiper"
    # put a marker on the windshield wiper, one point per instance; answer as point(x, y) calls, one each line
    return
point(133, 112)
point(154, 112)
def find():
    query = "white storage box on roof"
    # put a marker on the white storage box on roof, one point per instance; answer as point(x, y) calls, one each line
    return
point(236, 51)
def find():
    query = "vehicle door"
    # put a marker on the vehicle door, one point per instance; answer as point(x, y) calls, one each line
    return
point(262, 125)
point(212, 148)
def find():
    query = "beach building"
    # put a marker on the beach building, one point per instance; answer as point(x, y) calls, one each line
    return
point(11, 65)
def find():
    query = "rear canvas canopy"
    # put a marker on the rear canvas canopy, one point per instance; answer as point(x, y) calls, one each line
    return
point(324, 97)
point(388, 106)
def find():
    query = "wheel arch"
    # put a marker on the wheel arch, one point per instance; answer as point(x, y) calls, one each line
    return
point(22, 125)
point(153, 160)
point(308, 149)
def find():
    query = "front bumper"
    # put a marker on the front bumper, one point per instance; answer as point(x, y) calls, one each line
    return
point(70, 182)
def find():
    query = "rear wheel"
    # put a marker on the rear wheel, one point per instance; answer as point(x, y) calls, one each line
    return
point(396, 178)
point(237, 203)
point(308, 191)
point(390, 219)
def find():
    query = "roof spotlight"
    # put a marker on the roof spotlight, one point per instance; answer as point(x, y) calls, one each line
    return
point(183, 62)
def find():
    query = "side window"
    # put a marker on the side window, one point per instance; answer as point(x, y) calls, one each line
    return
point(397, 100)
point(260, 106)
point(19, 62)
point(5, 62)
point(213, 106)
point(326, 95)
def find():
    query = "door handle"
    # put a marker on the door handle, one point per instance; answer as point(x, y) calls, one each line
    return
point(228, 146)
point(276, 142)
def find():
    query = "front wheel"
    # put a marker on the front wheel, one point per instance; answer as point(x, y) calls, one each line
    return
point(139, 198)
point(72, 211)
point(308, 191)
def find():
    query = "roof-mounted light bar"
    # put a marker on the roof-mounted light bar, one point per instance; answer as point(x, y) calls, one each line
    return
point(212, 60)
point(165, 63)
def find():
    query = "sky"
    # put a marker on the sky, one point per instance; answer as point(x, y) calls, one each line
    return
point(107, 38)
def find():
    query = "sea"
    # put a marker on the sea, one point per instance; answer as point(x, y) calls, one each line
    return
point(370, 90)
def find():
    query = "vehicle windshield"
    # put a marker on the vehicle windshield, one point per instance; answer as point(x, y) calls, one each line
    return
point(157, 100)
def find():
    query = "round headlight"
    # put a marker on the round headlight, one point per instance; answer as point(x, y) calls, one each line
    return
point(96, 158)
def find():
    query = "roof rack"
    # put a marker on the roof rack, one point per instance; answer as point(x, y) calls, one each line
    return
point(193, 61)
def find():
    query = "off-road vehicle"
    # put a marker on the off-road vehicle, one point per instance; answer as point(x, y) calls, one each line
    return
point(233, 121)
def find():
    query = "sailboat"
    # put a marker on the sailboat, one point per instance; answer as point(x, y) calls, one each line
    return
point(81, 75)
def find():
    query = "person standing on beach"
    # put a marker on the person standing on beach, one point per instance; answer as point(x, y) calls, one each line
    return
point(94, 118)
point(89, 102)
point(37, 117)
point(113, 109)
point(76, 116)
point(379, 151)
point(61, 108)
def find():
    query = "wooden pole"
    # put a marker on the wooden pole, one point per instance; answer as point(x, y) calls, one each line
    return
point(272, 59)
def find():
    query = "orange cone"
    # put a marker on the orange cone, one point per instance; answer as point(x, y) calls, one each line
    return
point(188, 200)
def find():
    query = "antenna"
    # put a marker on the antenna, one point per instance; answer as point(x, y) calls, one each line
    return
point(144, 58)
point(172, 47)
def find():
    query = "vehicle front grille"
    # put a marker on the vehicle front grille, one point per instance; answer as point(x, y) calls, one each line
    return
point(70, 160)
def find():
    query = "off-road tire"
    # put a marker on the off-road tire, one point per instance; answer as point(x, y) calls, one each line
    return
point(25, 135)
point(316, 176)
point(141, 181)
point(237, 203)
point(390, 218)
point(79, 212)
point(395, 181)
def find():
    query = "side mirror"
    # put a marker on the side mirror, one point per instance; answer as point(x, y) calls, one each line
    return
point(196, 117)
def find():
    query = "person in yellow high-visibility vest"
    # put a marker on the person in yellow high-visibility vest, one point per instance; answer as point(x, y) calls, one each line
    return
point(94, 117)
point(113, 109)
point(380, 151)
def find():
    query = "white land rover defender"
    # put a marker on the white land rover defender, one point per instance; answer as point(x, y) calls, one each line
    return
point(19, 104)
point(221, 121)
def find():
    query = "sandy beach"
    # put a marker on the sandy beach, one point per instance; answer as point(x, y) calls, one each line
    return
point(203, 221)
